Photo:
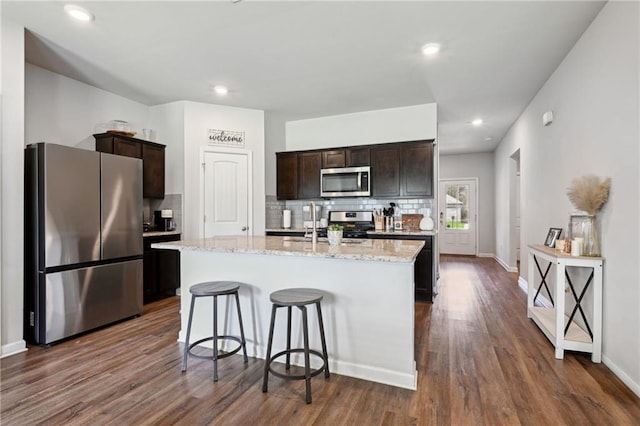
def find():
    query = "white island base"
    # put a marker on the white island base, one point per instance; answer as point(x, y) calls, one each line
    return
point(368, 307)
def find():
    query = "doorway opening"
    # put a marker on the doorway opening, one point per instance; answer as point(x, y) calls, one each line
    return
point(514, 211)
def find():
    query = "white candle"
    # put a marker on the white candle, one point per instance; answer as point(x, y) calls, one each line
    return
point(580, 243)
point(575, 248)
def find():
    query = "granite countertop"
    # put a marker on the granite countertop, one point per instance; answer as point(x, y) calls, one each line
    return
point(401, 251)
point(159, 233)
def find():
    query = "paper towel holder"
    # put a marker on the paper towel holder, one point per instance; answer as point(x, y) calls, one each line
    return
point(286, 219)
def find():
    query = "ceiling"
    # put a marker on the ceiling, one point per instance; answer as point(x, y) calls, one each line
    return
point(310, 59)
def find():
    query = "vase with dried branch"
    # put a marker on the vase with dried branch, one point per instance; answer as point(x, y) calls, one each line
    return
point(588, 194)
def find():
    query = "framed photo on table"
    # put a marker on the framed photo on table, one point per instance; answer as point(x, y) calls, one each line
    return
point(552, 236)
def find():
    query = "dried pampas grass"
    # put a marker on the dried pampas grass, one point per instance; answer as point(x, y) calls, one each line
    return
point(589, 193)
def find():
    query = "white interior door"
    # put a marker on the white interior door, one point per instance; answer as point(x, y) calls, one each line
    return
point(458, 216)
point(226, 193)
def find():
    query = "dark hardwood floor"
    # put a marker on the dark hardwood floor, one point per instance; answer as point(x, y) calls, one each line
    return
point(480, 361)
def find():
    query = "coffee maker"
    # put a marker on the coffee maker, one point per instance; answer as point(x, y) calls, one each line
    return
point(163, 220)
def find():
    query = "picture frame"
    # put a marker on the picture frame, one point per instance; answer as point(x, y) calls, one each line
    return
point(552, 236)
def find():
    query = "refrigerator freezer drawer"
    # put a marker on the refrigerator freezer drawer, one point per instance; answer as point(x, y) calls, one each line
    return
point(83, 299)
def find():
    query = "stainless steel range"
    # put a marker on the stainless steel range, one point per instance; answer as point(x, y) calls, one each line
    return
point(355, 223)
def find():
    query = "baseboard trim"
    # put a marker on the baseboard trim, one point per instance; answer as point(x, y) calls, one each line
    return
point(524, 285)
point(398, 378)
point(13, 348)
point(635, 387)
point(487, 255)
point(504, 265)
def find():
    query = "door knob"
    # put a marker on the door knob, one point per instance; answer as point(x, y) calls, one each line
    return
point(245, 228)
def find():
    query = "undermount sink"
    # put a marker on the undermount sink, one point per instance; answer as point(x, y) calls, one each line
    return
point(320, 240)
point(297, 239)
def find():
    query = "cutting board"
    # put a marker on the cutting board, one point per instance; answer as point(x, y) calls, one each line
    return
point(411, 221)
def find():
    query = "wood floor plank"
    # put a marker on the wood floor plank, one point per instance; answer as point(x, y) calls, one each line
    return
point(480, 361)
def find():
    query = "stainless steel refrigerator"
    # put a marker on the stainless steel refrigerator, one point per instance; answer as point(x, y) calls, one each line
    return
point(83, 241)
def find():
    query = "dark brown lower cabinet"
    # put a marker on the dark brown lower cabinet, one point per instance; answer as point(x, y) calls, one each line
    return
point(161, 269)
point(423, 273)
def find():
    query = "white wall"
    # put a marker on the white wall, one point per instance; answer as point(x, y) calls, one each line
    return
point(67, 112)
point(198, 118)
point(275, 137)
point(168, 122)
point(478, 165)
point(594, 96)
point(11, 196)
point(416, 122)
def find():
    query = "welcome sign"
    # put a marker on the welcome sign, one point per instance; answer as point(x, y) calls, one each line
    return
point(225, 137)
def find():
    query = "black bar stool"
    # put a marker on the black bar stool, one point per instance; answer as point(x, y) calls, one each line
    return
point(299, 297)
point(215, 289)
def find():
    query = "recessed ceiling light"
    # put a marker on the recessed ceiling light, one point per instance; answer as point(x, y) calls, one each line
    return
point(477, 122)
point(220, 90)
point(430, 49)
point(79, 13)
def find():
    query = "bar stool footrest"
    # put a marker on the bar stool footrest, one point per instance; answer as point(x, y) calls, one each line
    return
point(298, 376)
point(220, 355)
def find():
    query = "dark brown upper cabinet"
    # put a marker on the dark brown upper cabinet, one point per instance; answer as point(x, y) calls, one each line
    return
point(385, 171)
point(357, 157)
point(309, 165)
point(402, 170)
point(153, 171)
point(417, 170)
point(152, 155)
point(127, 148)
point(333, 158)
point(348, 157)
point(287, 176)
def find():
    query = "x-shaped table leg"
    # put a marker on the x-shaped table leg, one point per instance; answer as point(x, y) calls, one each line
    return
point(544, 280)
point(578, 301)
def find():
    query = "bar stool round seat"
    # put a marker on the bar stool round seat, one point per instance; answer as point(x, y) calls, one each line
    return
point(300, 298)
point(214, 289)
point(295, 297)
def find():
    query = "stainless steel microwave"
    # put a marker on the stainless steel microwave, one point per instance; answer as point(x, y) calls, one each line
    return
point(345, 182)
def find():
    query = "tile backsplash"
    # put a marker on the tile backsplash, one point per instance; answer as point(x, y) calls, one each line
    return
point(170, 201)
point(275, 207)
point(274, 212)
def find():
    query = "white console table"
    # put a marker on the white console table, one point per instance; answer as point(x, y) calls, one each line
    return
point(560, 328)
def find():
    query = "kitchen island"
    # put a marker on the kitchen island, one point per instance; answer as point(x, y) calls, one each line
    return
point(368, 304)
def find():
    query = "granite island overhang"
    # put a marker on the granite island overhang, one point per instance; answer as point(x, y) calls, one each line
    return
point(368, 304)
